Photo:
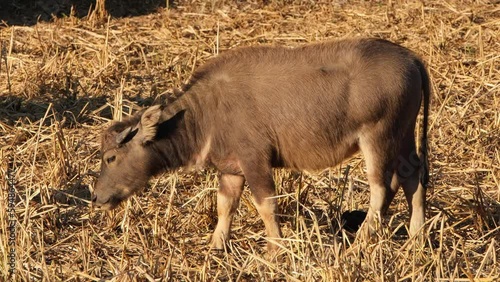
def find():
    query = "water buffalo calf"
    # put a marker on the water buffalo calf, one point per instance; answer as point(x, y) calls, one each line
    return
point(254, 108)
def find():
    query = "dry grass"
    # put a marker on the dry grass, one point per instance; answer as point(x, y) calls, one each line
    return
point(62, 81)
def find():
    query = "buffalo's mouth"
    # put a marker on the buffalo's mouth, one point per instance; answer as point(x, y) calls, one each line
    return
point(106, 204)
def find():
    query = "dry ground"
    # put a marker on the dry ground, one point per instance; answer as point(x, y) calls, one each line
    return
point(62, 81)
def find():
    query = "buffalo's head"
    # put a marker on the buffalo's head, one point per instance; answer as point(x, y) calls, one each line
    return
point(128, 157)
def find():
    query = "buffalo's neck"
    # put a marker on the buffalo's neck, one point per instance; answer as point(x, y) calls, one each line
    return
point(183, 146)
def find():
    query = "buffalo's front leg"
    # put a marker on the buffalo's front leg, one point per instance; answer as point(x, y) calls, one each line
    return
point(228, 198)
point(261, 184)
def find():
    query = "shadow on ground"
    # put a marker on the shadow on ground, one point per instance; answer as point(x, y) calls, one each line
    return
point(70, 111)
point(73, 111)
point(29, 12)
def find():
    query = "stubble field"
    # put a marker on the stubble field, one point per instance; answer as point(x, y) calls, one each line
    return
point(63, 79)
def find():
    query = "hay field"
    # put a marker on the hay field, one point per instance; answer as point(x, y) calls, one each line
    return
point(62, 81)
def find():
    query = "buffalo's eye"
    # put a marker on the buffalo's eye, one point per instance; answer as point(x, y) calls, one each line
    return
point(110, 159)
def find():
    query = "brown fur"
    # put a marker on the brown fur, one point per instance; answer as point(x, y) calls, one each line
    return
point(255, 108)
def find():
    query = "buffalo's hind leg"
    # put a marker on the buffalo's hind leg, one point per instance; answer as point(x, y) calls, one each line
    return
point(228, 199)
point(379, 156)
point(408, 171)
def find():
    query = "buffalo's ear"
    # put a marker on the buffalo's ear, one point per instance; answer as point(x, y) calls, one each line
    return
point(149, 123)
point(127, 134)
point(118, 133)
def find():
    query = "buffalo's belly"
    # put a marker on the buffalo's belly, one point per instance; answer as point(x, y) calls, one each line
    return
point(310, 154)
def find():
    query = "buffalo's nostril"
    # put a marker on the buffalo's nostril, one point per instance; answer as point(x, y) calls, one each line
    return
point(94, 198)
